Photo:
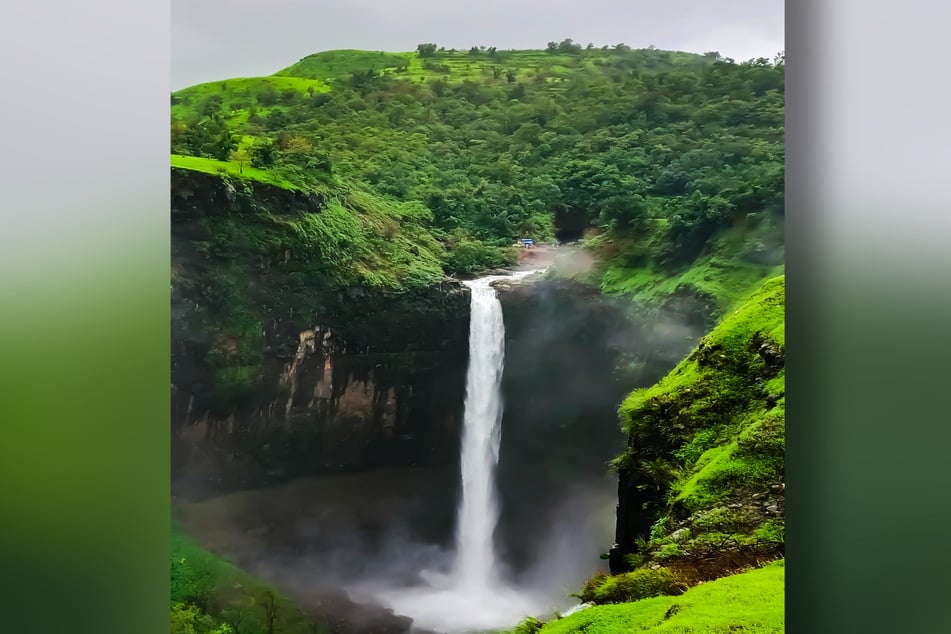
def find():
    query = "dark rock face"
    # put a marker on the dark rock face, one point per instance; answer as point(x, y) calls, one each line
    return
point(561, 387)
point(322, 410)
point(323, 379)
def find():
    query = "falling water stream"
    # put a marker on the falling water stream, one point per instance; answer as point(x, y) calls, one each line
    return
point(473, 595)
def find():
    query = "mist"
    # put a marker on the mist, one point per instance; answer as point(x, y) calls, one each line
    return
point(371, 551)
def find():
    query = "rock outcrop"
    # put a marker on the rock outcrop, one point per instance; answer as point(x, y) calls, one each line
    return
point(278, 371)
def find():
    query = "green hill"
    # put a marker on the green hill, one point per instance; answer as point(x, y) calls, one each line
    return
point(372, 174)
point(671, 164)
point(702, 479)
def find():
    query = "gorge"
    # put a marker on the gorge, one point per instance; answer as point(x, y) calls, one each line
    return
point(349, 281)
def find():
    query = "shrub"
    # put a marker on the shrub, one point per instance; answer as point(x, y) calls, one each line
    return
point(529, 626)
point(639, 584)
point(590, 587)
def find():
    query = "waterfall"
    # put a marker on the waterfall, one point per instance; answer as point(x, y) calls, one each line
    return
point(478, 508)
point(474, 597)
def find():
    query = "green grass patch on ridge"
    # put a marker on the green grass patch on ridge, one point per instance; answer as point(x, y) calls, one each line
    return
point(230, 168)
point(330, 65)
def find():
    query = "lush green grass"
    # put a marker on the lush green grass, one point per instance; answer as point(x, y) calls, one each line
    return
point(308, 251)
point(456, 66)
point(236, 99)
point(639, 584)
point(748, 602)
point(712, 427)
point(331, 65)
point(240, 92)
point(209, 594)
point(230, 168)
point(764, 312)
point(721, 275)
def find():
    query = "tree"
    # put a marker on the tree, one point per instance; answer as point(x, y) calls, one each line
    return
point(224, 144)
point(426, 50)
point(267, 97)
point(178, 136)
point(271, 608)
point(241, 155)
point(623, 212)
point(567, 45)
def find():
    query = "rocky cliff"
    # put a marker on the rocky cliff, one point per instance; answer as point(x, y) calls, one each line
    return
point(281, 366)
point(701, 483)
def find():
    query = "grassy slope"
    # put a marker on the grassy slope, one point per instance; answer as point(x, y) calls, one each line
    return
point(725, 273)
point(318, 73)
point(456, 66)
point(712, 432)
point(238, 94)
point(330, 65)
point(748, 602)
point(208, 592)
point(356, 238)
point(231, 168)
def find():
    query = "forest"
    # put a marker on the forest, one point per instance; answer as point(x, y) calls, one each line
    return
point(340, 201)
point(660, 150)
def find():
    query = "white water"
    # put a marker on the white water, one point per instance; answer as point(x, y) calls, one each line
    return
point(473, 596)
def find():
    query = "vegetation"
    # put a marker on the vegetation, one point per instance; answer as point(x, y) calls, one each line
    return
point(355, 171)
point(659, 153)
point(295, 249)
point(231, 168)
point(211, 596)
point(632, 586)
point(704, 467)
point(751, 601)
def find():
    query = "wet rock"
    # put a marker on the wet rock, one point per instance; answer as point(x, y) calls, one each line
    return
point(680, 534)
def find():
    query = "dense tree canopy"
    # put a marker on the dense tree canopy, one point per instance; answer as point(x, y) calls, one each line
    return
point(496, 143)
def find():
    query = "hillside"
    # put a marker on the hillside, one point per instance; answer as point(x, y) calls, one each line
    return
point(657, 157)
point(320, 214)
point(211, 596)
point(700, 520)
point(751, 601)
point(701, 483)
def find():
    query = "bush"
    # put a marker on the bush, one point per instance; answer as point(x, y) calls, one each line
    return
point(529, 626)
point(633, 586)
point(590, 586)
point(188, 619)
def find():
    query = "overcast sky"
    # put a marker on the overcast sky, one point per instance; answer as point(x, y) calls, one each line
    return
point(217, 39)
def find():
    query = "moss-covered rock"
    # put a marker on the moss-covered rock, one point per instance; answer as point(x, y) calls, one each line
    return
point(632, 586)
point(312, 331)
point(701, 481)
